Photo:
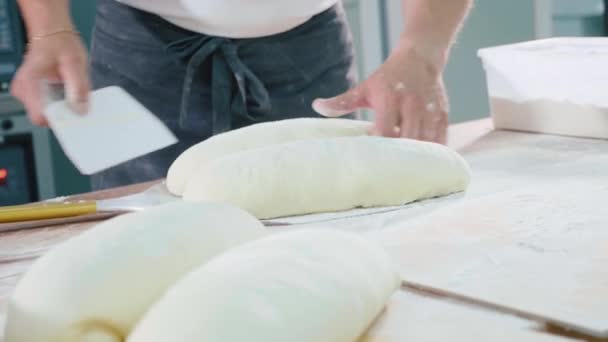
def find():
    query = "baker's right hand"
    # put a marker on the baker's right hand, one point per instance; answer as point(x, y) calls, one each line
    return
point(57, 58)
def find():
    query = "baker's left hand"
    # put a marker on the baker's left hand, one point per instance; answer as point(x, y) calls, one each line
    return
point(406, 93)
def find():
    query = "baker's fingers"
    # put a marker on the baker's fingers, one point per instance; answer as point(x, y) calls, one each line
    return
point(441, 128)
point(434, 122)
point(342, 104)
point(387, 117)
point(73, 71)
point(26, 87)
point(429, 122)
point(411, 117)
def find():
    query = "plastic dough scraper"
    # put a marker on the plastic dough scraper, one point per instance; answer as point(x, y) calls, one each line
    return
point(115, 129)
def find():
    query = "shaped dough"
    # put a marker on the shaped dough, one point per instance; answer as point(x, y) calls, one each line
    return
point(96, 286)
point(322, 286)
point(325, 175)
point(255, 136)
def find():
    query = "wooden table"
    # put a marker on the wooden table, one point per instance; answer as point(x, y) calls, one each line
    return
point(409, 316)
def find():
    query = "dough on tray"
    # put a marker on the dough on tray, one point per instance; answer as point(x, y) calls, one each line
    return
point(255, 136)
point(308, 285)
point(325, 175)
point(96, 286)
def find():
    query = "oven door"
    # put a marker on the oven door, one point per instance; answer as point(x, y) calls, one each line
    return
point(17, 171)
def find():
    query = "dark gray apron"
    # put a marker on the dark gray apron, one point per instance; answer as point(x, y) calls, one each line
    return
point(201, 85)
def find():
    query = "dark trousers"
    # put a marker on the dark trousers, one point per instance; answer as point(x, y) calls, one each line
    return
point(201, 85)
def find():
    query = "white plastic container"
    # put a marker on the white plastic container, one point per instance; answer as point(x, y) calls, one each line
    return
point(554, 86)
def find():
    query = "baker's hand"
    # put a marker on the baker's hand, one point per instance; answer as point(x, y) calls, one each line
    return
point(406, 93)
point(56, 58)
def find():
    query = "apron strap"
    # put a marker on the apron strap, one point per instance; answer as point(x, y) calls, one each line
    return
point(235, 89)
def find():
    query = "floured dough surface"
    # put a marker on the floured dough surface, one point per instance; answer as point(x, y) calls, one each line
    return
point(255, 136)
point(325, 175)
point(322, 286)
point(96, 286)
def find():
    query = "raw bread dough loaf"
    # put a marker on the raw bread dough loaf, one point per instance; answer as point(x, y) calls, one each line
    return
point(255, 136)
point(96, 286)
point(321, 286)
point(334, 174)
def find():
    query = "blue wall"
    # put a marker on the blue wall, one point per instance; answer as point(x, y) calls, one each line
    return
point(83, 12)
point(578, 18)
point(490, 23)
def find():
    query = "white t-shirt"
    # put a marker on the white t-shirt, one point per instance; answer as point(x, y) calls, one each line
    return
point(234, 18)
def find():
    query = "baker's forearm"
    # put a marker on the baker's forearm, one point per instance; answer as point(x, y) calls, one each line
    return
point(431, 25)
point(45, 16)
